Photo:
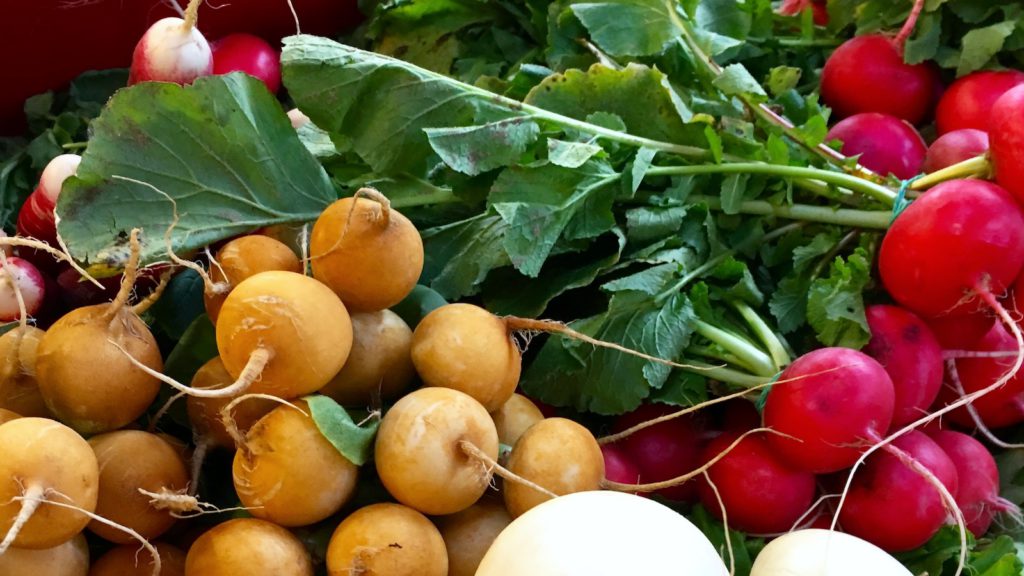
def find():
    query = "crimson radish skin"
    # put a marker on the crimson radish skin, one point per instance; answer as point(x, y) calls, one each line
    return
point(760, 493)
point(978, 477)
point(999, 408)
point(961, 331)
point(172, 50)
point(904, 345)
point(1006, 140)
point(831, 403)
point(20, 276)
point(890, 504)
point(662, 451)
point(868, 74)
point(885, 144)
point(618, 466)
point(250, 54)
point(36, 218)
point(967, 103)
point(954, 147)
point(960, 237)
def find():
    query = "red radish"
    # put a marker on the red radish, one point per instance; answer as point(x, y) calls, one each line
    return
point(961, 331)
point(892, 505)
point(794, 7)
point(978, 492)
point(1006, 141)
point(1000, 408)
point(760, 493)
point(618, 467)
point(249, 54)
point(832, 403)
point(905, 346)
point(868, 74)
point(957, 240)
point(886, 144)
point(968, 102)
point(740, 415)
point(172, 50)
point(35, 218)
point(30, 283)
point(662, 451)
point(955, 147)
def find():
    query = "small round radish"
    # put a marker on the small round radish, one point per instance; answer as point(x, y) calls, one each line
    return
point(893, 506)
point(663, 451)
point(885, 144)
point(20, 276)
point(817, 552)
point(386, 539)
point(1006, 141)
point(571, 535)
point(242, 258)
point(868, 74)
point(125, 560)
point(959, 238)
point(904, 345)
point(68, 559)
point(978, 490)
point(249, 54)
point(514, 418)
point(171, 50)
point(795, 7)
point(556, 454)
point(955, 147)
point(967, 103)
point(36, 218)
point(760, 493)
point(379, 368)
point(961, 331)
point(833, 403)
point(20, 390)
point(418, 450)
point(468, 534)
point(204, 413)
point(248, 546)
point(367, 252)
point(44, 460)
point(1000, 408)
point(8, 415)
point(618, 466)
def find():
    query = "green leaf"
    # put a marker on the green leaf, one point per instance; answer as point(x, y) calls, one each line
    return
point(735, 80)
point(571, 154)
point(629, 27)
point(744, 548)
point(734, 190)
point(835, 305)
point(354, 442)
point(682, 389)
point(420, 302)
point(196, 346)
point(180, 306)
point(317, 141)
point(424, 32)
point(981, 44)
point(641, 163)
point(476, 149)
point(222, 149)
point(460, 255)
point(649, 223)
point(783, 78)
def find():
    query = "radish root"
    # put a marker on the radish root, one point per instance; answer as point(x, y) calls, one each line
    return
point(191, 14)
point(231, 427)
point(64, 256)
point(183, 505)
point(131, 273)
point(725, 524)
point(493, 467)
point(140, 308)
point(258, 360)
point(958, 387)
point(30, 500)
point(196, 464)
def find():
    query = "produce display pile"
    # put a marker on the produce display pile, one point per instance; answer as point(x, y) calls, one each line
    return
point(525, 287)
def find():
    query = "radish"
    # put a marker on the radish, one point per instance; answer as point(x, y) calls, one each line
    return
point(618, 466)
point(248, 546)
point(8, 415)
point(759, 493)
point(124, 560)
point(868, 74)
point(249, 54)
point(954, 147)
point(1000, 408)
point(885, 144)
point(172, 50)
point(242, 258)
point(22, 289)
point(961, 331)
point(204, 413)
point(891, 504)
point(815, 552)
point(662, 451)
point(20, 389)
point(571, 535)
point(1006, 139)
point(386, 539)
point(36, 217)
point(795, 7)
point(514, 418)
point(468, 534)
point(978, 493)
point(379, 367)
point(959, 239)
point(831, 403)
point(68, 559)
point(904, 345)
point(968, 102)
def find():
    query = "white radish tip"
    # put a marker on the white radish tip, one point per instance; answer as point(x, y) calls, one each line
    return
point(56, 172)
point(29, 282)
point(298, 118)
point(171, 52)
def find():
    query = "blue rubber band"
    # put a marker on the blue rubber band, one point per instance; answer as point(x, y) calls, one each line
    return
point(762, 399)
point(901, 202)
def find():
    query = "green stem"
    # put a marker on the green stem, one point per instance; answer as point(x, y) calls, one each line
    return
point(977, 167)
point(440, 196)
point(714, 354)
point(726, 375)
point(798, 42)
point(755, 360)
point(881, 193)
point(74, 145)
point(874, 219)
point(775, 348)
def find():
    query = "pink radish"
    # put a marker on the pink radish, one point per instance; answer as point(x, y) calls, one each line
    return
point(978, 493)
point(662, 451)
point(760, 493)
point(249, 54)
point(1006, 140)
point(831, 403)
point(618, 466)
point(961, 331)
point(955, 147)
point(36, 219)
point(172, 50)
point(892, 505)
point(20, 276)
point(885, 144)
point(968, 102)
point(905, 346)
point(1000, 408)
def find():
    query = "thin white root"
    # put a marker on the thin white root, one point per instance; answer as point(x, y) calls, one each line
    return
point(147, 302)
point(196, 465)
point(250, 373)
point(725, 524)
point(30, 500)
point(231, 427)
point(295, 15)
point(958, 387)
point(182, 505)
point(163, 411)
point(71, 261)
point(807, 515)
point(492, 467)
point(64, 256)
point(12, 279)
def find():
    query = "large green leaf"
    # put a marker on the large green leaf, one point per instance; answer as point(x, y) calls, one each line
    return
point(222, 149)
